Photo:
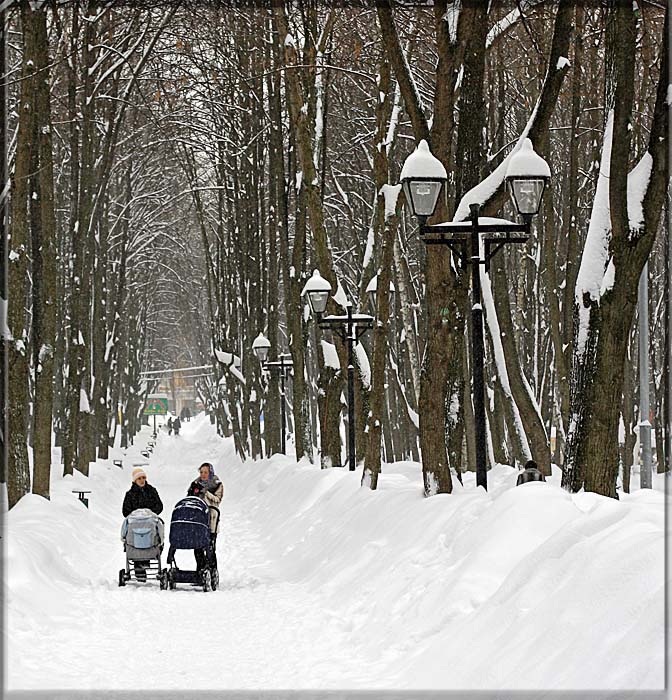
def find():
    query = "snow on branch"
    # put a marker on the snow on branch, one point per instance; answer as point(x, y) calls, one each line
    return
point(364, 365)
point(589, 280)
point(487, 188)
point(500, 361)
point(330, 355)
point(391, 194)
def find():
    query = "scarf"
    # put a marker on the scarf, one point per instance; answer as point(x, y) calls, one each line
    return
point(212, 482)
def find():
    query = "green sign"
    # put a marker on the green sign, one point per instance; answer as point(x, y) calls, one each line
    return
point(156, 407)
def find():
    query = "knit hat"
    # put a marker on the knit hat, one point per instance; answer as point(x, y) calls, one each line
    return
point(137, 472)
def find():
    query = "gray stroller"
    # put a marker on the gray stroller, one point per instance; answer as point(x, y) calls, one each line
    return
point(142, 535)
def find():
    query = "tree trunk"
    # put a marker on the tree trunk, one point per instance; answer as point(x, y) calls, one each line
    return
point(18, 474)
point(597, 379)
point(44, 264)
point(377, 397)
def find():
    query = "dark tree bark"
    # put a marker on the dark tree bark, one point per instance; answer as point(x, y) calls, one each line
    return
point(4, 230)
point(18, 475)
point(44, 264)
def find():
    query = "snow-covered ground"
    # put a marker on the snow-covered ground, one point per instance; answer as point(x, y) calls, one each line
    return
point(328, 585)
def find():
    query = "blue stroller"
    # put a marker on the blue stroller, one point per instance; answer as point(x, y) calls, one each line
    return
point(190, 529)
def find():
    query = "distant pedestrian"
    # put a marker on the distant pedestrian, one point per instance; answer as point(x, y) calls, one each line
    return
point(177, 425)
point(530, 473)
point(187, 413)
point(170, 426)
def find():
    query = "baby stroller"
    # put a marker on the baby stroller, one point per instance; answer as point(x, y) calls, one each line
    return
point(190, 529)
point(142, 534)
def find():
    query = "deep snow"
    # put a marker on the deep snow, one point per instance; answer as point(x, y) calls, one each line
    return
point(328, 585)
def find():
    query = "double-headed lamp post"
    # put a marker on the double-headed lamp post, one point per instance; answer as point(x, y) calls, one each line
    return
point(350, 328)
point(422, 179)
point(261, 347)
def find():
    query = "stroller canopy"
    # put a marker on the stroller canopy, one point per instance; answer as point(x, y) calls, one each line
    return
point(142, 529)
point(190, 524)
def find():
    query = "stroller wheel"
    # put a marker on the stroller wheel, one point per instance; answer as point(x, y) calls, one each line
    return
point(122, 577)
point(171, 580)
point(207, 582)
point(214, 579)
point(163, 580)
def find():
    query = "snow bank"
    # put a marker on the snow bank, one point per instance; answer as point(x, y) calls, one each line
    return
point(520, 573)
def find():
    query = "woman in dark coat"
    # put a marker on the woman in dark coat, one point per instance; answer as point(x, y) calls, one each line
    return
point(141, 495)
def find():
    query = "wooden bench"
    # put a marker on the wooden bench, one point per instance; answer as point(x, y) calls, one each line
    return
point(81, 493)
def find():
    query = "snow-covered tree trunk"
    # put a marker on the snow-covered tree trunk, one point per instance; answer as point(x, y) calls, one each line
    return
point(18, 475)
point(299, 109)
point(624, 222)
point(445, 320)
point(377, 396)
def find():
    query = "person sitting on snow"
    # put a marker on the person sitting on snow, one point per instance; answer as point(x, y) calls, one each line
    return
point(530, 473)
point(141, 495)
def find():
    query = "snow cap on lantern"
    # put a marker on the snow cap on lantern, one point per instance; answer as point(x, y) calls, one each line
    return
point(526, 176)
point(317, 289)
point(372, 288)
point(261, 347)
point(422, 178)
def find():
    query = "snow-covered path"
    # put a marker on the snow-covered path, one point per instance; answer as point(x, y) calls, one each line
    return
point(255, 631)
point(326, 585)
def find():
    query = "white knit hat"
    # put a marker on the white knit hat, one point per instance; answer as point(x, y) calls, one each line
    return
point(137, 472)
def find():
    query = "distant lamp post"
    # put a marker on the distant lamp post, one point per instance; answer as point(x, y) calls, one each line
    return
point(526, 177)
point(317, 290)
point(422, 177)
point(350, 328)
point(372, 288)
point(283, 366)
point(261, 347)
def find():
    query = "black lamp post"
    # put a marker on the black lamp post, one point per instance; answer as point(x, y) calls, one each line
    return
point(283, 366)
point(350, 328)
point(422, 178)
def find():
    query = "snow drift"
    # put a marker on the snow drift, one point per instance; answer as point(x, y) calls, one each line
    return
point(325, 584)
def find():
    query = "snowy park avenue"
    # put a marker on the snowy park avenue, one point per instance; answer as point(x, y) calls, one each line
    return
point(336, 348)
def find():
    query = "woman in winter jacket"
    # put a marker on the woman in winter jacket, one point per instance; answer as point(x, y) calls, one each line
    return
point(208, 487)
point(141, 495)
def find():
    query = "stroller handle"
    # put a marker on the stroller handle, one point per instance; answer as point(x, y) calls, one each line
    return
point(216, 509)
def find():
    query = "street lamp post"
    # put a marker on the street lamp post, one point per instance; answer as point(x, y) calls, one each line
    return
point(422, 178)
point(350, 328)
point(261, 347)
point(282, 366)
